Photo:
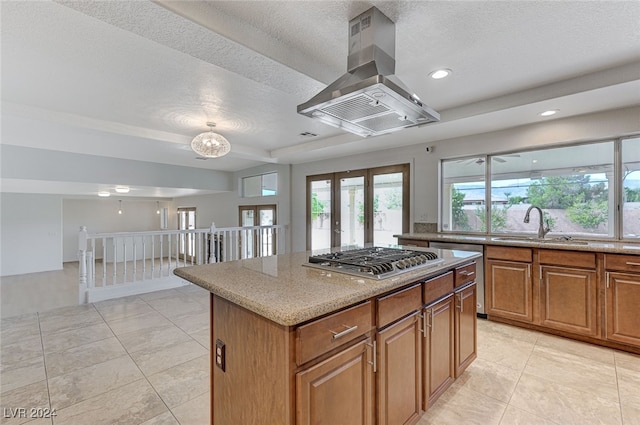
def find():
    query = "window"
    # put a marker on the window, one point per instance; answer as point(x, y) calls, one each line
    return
point(575, 186)
point(570, 184)
point(631, 188)
point(463, 195)
point(262, 185)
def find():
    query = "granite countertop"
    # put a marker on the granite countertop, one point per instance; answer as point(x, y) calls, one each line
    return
point(616, 247)
point(281, 289)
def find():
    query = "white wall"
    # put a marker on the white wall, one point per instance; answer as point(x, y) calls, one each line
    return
point(424, 166)
point(101, 215)
point(31, 233)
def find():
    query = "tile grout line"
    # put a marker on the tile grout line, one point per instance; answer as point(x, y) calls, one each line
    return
point(44, 364)
point(615, 364)
point(146, 378)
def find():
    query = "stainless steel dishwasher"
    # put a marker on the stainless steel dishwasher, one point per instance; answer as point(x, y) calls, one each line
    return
point(479, 268)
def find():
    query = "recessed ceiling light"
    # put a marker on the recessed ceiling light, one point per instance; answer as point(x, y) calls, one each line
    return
point(549, 113)
point(122, 189)
point(440, 73)
point(104, 194)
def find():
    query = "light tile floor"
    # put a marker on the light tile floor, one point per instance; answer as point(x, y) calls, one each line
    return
point(145, 360)
point(134, 360)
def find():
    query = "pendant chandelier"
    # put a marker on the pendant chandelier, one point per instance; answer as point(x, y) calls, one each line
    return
point(210, 144)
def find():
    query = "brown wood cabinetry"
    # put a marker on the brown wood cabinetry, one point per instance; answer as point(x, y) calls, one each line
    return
point(508, 283)
point(568, 291)
point(465, 328)
point(413, 242)
point(343, 382)
point(622, 299)
point(438, 365)
point(399, 383)
point(323, 335)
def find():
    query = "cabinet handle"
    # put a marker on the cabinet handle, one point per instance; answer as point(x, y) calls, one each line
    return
point(460, 306)
point(374, 363)
point(608, 277)
point(337, 335)
point(631, 263)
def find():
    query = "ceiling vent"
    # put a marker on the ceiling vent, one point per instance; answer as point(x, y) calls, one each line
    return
point(369, 100)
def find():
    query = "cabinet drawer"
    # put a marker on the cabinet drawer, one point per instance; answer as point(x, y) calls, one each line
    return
point(559, 257)
point(624, 263)
point(398, 304)
point(509, 253)
point(323, 335)
point(465, 274)
point(413, 242)
point(437, 287)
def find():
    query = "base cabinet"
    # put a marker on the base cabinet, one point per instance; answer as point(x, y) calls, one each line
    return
point(623, 302)
point(509, 290)
point(344, 382)
point(438, 367)
point(399, 373)
point(465, 328)
point(568, 300)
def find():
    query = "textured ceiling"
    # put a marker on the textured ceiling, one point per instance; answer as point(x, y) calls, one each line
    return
point(138, 79)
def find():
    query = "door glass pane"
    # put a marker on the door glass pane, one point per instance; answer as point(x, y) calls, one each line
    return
point(246, 237)
point(387, 208)
point(186, 241)
point(247, 218)
point(570, 185)
point(631, 188)
point(266, 236)
point(463, 195)
point(352, 212)
point(321, 214)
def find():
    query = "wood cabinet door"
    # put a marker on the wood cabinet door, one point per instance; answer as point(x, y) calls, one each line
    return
point(338, 390)
point(509, 291)
point(465, 328)
point(568, 300)
point(623, 302)
point(399, 381)
point(437, 367)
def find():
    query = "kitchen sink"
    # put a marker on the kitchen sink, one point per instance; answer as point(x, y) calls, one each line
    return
point(560, 240)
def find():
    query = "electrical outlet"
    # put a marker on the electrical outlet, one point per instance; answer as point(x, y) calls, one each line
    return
point(220, 354)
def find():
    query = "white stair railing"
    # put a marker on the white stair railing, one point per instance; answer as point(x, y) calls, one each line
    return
point(127, 263)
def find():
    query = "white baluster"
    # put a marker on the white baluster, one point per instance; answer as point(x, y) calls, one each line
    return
point(135, 257)
point(144, 257)
point(82, 264)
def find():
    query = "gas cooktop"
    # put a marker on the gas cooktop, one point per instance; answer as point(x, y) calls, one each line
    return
point(374, 262)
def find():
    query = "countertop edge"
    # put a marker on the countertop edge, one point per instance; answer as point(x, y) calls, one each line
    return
point(612, 247)
point(299, 316)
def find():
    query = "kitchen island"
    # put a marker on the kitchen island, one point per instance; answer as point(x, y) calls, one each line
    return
point(297, 345)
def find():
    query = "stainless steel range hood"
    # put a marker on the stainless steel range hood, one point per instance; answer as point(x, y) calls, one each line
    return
point(369, 100)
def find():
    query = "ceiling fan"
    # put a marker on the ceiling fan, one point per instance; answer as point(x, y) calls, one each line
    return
point(481, 160)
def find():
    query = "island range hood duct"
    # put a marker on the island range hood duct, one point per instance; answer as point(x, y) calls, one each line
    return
point(369, 100)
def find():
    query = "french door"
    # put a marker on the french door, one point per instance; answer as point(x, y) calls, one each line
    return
point(260, 242)
point(353, 208)
point(186, 242)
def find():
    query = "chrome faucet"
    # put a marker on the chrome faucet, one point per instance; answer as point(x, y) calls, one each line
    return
point(542, 230)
